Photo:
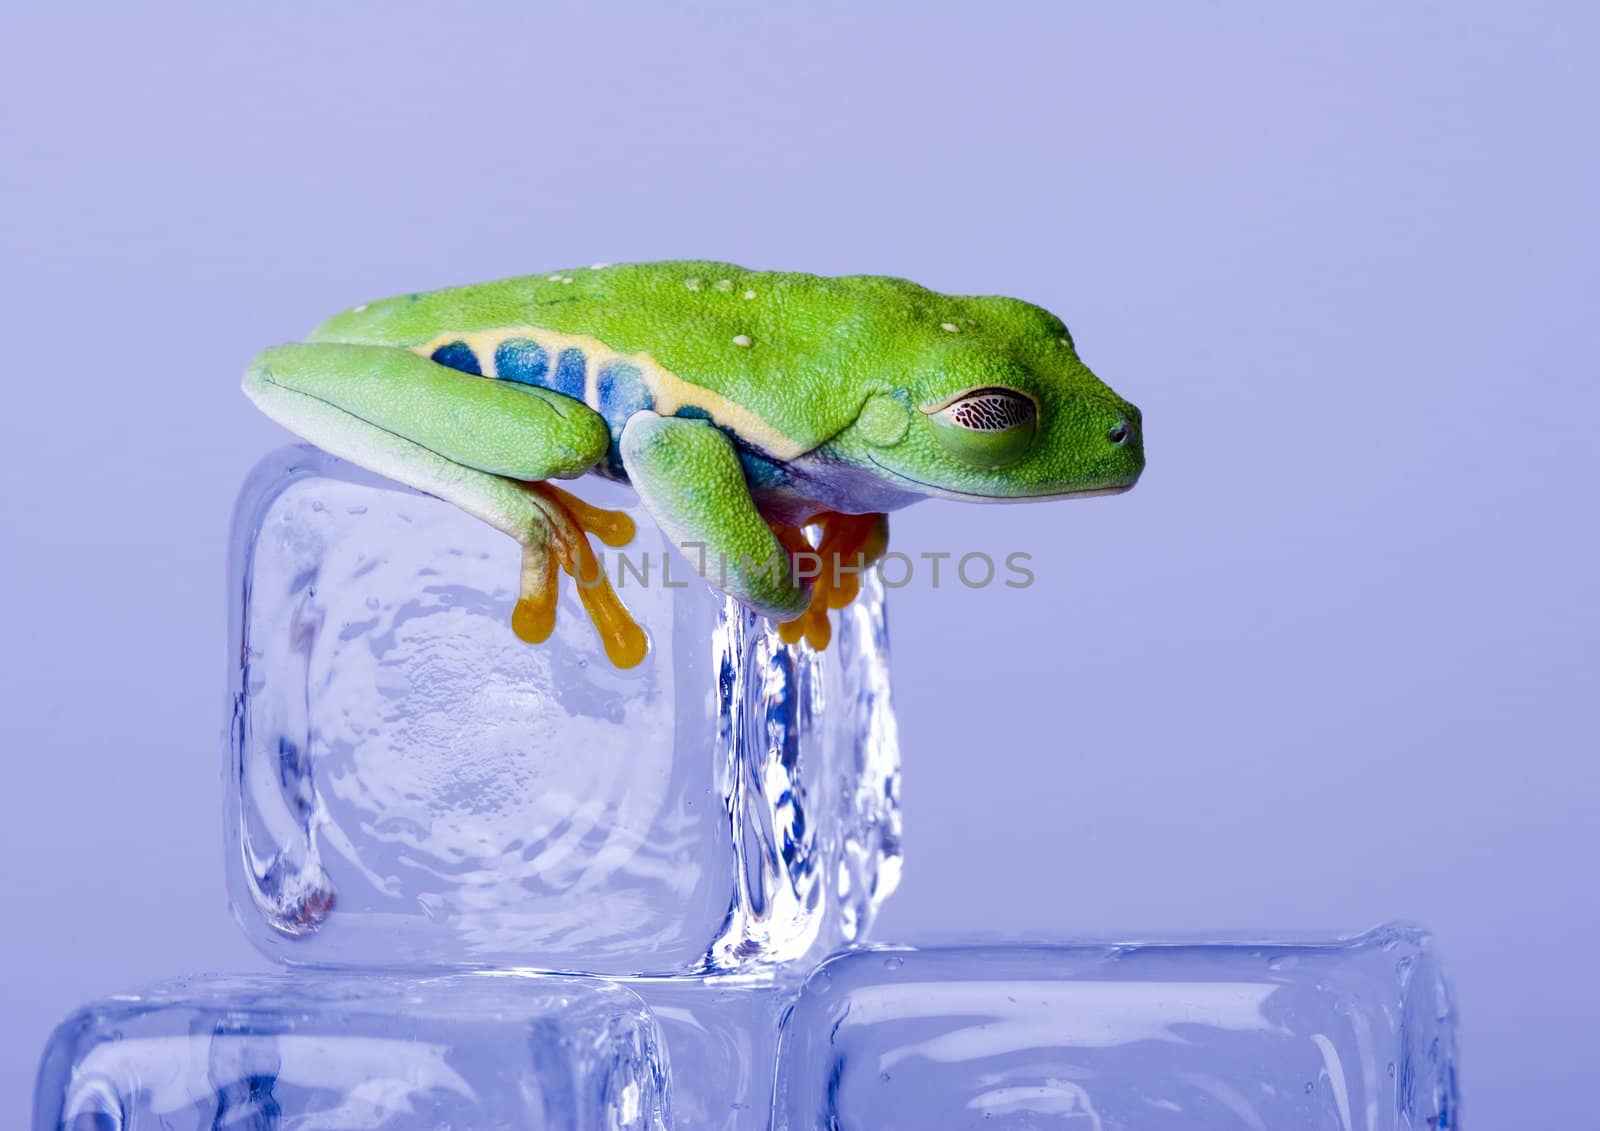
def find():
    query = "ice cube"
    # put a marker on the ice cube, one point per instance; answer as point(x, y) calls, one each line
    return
point(1356, 1033)
point(411, 784)
point(721, 1036)
point(330, 1052)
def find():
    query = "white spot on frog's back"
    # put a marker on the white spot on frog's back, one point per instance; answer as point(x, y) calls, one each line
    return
point(741, 339)
point(950, 327)
point(749, 294)
point(724, 284)
point(693, 283)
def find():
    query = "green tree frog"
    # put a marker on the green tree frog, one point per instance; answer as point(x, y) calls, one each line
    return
point(740, 406)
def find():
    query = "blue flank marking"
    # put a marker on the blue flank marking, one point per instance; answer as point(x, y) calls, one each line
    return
point(693, 412)
point(458, 355)
point(569, 373)
point(622, 392)
point(518, 359)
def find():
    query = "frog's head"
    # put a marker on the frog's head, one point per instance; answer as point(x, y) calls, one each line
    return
point(999, 407)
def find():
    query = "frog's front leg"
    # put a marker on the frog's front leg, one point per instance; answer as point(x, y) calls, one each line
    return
point(479, 443)
point(688, 476)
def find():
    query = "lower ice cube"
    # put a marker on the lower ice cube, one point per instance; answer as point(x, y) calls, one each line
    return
point(259, 1053)
point(1357, 1034)
point(1345, 1035)
point(410, 784)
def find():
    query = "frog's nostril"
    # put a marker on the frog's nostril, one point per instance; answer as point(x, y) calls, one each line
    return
point(1120, 433)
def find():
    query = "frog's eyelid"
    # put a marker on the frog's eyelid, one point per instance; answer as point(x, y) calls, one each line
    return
point(991, 412)
point(978, 390)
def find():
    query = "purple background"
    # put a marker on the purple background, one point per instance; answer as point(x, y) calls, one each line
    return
point(1333, 662)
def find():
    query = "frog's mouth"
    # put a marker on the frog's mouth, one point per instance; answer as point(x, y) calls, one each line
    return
point(933, 490)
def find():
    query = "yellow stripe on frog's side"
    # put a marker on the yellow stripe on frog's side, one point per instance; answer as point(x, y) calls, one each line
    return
point(669, 392)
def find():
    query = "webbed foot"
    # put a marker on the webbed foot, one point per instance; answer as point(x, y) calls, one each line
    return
point(848, 545)
point(563, 544)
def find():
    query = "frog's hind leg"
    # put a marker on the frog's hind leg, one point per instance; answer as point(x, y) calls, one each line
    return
point(848, 545)
point(475, 442)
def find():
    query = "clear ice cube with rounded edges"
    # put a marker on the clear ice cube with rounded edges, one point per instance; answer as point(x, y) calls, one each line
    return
point(1356, 1033)
point(409, 783)
point(377, 1052)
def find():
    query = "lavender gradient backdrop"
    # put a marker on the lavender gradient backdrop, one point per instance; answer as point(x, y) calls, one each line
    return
point(1334, 661)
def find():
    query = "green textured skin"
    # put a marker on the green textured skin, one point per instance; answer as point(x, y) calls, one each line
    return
point(820, 348)
point(811, 394)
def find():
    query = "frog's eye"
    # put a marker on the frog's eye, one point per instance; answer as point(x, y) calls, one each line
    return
point(986, 427)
